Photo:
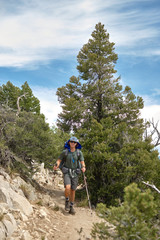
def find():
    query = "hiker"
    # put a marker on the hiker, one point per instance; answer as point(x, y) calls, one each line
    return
point(72, 162)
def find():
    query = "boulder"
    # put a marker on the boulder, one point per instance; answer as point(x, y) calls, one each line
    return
point(12, 198)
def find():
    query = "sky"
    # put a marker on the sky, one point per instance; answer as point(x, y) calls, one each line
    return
point(40, 41)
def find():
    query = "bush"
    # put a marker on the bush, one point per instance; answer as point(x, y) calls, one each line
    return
point(135, 219)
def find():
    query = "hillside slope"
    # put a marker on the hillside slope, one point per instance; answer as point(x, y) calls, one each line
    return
point(47, 220)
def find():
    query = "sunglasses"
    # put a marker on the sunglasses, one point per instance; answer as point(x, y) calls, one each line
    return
point(72, 142)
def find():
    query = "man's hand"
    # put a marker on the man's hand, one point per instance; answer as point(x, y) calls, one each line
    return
point(83, 169)
point(55, 167)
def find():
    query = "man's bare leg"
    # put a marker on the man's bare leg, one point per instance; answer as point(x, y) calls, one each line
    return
point(67, 196)
point(72, 195)
point(67, 191)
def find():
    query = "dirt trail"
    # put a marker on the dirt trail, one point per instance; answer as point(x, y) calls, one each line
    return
point(52, 222)
point(76, 226)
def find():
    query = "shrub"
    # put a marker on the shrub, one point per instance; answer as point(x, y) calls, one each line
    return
point(135, 219)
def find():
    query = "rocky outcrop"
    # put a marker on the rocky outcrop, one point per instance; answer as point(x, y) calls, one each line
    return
point(17, 203)
point(12, 199)
point(45, 177)
point(28, 214)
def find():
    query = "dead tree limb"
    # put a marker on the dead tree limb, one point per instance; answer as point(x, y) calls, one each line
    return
point(152, 186)
point(18, 106)
point(153, 131)
point(156, 131)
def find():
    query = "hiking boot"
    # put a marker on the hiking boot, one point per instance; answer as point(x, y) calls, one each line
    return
point(72, 211)
point(67, 206)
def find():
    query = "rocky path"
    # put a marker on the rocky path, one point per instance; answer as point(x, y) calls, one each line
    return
point(28, 213)
point(51, 221)
point(76, 226)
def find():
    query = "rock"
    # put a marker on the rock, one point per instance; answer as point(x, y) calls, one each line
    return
point(26, 236)
point(43, 214)
point(2, 231)
point(52, 205)
point(23, 217)
point(4, 174)
point(5, 197)
point(13, 199)
point(42, 175)
point(10, 224)
point(21, 203)
point(24, 188)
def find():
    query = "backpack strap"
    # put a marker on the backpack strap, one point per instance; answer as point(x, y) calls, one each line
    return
point(77, 151)
point(78, 155)
point(66, 153)
point(62, 162)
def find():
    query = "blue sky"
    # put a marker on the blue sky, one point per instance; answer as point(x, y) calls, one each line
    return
point(40, 41)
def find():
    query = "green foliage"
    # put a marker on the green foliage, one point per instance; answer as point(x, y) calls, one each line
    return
point(22, 169)
point(31, 137)
point(106, 118)
point(113, 162)
point(134, 219)
point(27, 134)
point(80, 102)
point(72, 103)
point(29, 103)
point(9, 95)
point(96, 58)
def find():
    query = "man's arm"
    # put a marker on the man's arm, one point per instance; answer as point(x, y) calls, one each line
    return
point(83, 168)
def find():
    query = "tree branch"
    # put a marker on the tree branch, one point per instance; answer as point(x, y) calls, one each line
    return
point(153, 132)
point(18, 106)
point(152, 186)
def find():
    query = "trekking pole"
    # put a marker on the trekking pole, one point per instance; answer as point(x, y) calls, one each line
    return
point(85, 182)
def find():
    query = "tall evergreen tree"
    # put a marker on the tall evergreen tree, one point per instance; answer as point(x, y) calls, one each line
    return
point(106, 117)
point(96, 66)
point(97, 96)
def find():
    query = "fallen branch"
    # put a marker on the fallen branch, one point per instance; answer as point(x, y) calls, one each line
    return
point(152, 186)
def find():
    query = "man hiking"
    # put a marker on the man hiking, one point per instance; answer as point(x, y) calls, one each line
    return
point(72, 162)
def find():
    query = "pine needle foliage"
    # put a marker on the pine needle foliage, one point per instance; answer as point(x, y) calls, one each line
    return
point(106, 118)
point(134, 219)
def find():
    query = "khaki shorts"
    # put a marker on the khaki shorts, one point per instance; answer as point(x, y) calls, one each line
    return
point(70, 181)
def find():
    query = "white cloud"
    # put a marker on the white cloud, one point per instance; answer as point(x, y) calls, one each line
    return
point(50, 106)
point(151, 108)
point(151, 112)
point(37, 31)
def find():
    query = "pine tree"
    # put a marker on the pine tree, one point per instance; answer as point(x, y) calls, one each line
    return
point(9, 95)
point(72, 102)
point(95, 98)
point(106, 118)
point(29, 103)
point(96, 66)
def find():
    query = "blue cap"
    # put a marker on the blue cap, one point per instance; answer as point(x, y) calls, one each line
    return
point(74, 139)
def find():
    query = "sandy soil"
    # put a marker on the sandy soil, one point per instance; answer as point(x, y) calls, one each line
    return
point(48, 223)
point(76, 226)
